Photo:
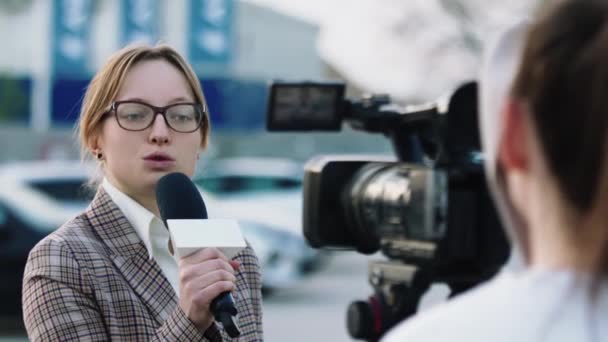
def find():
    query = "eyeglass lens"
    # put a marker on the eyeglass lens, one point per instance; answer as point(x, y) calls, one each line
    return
point(138, 116)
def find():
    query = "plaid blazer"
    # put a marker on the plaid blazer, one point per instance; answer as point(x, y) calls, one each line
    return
point(92, 280)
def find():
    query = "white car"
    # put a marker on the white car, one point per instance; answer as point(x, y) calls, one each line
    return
point(265, 192)
point(37, 197)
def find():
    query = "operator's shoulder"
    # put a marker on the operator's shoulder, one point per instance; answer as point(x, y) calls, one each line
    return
point(478, 315)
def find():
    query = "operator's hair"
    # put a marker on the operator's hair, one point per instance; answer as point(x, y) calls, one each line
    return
point(106, 84)
point(563, 79)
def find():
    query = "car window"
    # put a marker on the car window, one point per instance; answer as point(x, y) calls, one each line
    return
point(234, 184)
point(67, 191)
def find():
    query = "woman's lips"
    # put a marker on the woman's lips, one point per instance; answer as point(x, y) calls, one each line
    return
point(158, 161)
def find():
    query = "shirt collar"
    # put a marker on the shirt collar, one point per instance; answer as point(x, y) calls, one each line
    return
point(140, 218)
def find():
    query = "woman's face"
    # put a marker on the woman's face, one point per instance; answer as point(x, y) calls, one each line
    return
point(135, 160)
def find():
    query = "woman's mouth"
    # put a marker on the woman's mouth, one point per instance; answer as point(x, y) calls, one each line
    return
point(158, 161)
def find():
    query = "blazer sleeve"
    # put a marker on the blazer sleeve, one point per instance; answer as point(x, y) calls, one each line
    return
point(59, 303)
point(250, 270)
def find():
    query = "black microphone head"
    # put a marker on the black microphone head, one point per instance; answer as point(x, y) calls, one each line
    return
point(178, 198)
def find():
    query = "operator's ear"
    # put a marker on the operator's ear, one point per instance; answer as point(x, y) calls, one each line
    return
point(513, 153)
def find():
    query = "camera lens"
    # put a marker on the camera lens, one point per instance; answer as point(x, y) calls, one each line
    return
point(396, 202)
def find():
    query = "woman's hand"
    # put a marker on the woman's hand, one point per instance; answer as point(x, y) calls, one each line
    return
point(202, 277)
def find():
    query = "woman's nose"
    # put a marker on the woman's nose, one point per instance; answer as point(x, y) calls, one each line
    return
point(160, 133)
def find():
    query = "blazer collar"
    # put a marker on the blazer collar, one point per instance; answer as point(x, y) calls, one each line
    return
point(112, 226)
point(130, 256)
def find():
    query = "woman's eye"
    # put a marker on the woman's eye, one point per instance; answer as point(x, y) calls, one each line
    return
point(134, 116)
point(180, 117)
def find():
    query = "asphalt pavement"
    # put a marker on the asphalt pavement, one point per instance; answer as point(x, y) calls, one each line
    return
point(315, 310)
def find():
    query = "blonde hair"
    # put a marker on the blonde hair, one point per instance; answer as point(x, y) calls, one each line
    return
point(105, 85)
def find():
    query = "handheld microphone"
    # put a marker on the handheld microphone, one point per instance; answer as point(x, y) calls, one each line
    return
point(178, 199)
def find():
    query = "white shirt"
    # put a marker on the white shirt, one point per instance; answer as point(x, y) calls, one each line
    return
point(533, 305)
point(151, 231)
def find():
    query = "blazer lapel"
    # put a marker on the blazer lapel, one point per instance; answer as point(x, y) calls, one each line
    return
point(131, 256)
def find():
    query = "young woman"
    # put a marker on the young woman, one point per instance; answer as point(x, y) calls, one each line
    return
point(108, 274)
point(545, 124)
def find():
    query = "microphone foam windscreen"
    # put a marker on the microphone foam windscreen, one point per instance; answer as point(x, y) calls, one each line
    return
point(178, 198)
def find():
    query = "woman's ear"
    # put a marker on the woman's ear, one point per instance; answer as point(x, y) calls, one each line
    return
point(513, 151)
point(94, 144)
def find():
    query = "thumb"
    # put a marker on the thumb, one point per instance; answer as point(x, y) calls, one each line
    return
point(235, 264)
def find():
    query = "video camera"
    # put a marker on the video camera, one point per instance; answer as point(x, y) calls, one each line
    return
point(429, 212)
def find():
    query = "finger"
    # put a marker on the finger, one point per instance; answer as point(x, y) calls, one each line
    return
point(196, 285)
point(205, 296)
point(235, 264)
point(188, 272)
point(216, 276)
point(203, 281)
point(202, 255)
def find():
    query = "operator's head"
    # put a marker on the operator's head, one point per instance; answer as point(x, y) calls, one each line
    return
point(552, 148)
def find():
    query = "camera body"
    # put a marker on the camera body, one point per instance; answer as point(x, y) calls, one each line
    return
point(428, 210)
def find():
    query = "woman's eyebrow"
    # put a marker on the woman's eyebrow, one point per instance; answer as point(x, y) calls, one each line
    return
point(172, 101)
point(180, 99)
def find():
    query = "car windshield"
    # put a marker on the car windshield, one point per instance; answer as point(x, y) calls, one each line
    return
point(67, 191)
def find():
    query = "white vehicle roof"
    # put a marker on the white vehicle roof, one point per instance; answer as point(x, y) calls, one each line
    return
point(33, 206)
point(43, 170)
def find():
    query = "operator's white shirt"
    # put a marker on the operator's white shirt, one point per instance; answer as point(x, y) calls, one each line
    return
point(532, 305)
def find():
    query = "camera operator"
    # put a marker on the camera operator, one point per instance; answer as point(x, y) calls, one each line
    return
point(544, 114)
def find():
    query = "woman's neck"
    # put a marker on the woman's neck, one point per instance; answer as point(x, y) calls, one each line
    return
point(558, 236)
point(145, 199)
point(560, 239)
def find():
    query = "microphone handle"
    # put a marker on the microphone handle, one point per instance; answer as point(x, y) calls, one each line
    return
point(224, 311)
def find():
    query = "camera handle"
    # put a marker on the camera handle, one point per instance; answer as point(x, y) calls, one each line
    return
point(407, 147)
point(416, 144)
point(397, 292)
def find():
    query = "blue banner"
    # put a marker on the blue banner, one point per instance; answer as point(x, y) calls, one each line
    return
point(66, 100)
point(236, 105)
point(71, 37)
point(210, 31)
point(140, 21)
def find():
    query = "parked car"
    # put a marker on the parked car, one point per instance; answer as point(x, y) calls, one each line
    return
point(37, 197)
point(265, 191)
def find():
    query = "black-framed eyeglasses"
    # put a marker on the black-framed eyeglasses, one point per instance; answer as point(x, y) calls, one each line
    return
point(137, 116)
